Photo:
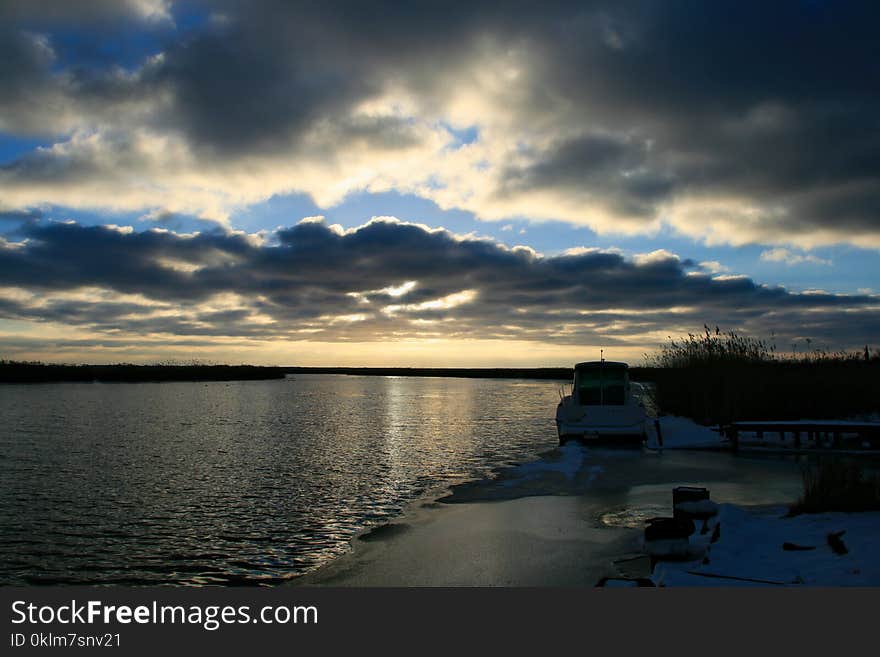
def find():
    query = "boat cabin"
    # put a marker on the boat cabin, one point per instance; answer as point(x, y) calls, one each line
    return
point(601, 383)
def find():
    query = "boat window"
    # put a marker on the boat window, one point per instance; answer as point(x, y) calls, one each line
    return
point(601, 386)
point(589, 388)
point(614, 387)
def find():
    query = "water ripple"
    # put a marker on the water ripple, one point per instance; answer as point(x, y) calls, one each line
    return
point(246, 483)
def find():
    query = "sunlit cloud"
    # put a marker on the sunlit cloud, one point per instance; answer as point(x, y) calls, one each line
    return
point(788, 257)
point(444, 303)
point(655, 257)
point(714, 267)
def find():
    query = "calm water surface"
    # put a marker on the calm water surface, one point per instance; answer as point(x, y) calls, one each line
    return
point(257, 482)
point(243, 482)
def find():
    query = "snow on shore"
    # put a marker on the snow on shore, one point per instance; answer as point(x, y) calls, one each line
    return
point(750, 551)
point(684, 433)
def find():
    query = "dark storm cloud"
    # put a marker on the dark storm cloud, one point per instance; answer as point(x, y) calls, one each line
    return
point(616, 170)
point(256, 80)
point(774, 102)
point(24, 79)
point(230, 95)
point(311, 281)
point(67, 255)
point(632, 105)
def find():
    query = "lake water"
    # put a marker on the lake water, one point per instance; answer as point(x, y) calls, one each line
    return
point(242, 482)
point(257, 482)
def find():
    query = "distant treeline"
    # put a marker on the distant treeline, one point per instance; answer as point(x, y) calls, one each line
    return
point(553, 373)
point(718, 377)
point(24, 372)
point(36, 372)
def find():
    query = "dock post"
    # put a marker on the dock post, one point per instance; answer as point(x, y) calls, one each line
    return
point(797, 438)
point(659, 432)
point(733, 436)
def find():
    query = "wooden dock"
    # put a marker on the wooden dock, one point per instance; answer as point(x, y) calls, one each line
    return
point(819, 434)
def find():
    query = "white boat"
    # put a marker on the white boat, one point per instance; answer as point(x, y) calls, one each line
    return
point(602, 405)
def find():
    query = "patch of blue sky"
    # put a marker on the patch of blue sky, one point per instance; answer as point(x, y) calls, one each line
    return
point(358, 208)
point(462, 136)
point(841, 269)
point(13, 147)
point(355, 210)
point(127, 45)
point(125, 48)
point(190, 17)
point(279, 210)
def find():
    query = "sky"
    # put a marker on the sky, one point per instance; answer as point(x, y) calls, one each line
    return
point(432, 183)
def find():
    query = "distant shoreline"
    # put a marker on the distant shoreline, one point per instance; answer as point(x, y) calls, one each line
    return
point(13, 372)
point(536, 373)
point(25, 372)
point(547, 373)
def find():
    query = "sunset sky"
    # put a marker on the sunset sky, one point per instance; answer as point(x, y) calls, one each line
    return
point(431, 183)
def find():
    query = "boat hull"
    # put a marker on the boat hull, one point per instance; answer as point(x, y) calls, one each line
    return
point(614, 434)
point(612, 425)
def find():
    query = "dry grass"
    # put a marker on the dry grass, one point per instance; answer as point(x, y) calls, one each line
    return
point(718, 377)
point(838, 485)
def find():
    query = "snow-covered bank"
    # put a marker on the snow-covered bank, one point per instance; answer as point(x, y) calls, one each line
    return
point(684, 433)
point(761, 545)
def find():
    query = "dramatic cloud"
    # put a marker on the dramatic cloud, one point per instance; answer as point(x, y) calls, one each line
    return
point(385, 281)
point(728, 122)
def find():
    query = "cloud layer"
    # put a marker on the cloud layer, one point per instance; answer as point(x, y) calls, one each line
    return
point(728, 122)
point(385, 281)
